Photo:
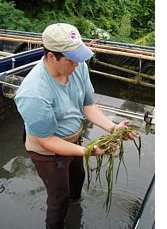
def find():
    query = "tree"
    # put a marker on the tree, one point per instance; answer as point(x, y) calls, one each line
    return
point(16, 21)
point(124, 20)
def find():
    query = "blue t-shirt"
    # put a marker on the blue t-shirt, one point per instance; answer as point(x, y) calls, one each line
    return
point(51, 108)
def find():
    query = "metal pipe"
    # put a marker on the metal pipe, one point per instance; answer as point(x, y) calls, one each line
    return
point(123, 49)
point(117, 44)
point(121, 44)
point(18, 69)
point(8, 31)
point(4, 54)
point(130, 114)
point(124, 69)
point(15, 71)
point(13, 62)
point(123, 79)
point(121, 53)
point(9, 84)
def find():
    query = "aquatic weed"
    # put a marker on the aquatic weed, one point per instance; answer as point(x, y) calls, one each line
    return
point(109, 143)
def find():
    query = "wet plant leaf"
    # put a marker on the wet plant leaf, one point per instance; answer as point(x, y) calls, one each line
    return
point(109, 143)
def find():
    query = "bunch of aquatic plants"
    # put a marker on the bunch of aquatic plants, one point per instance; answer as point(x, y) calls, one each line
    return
point(110, 143)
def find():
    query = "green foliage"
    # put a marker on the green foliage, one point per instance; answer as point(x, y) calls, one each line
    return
point(124, 30)
point(88, 8)
point(85, 26)
point(147, 40)
point(16, 20)
point(119, 20)
point(143, 14)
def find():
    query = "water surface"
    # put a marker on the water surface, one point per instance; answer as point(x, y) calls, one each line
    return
point(23, 196)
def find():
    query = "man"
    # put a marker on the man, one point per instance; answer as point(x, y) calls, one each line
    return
point(53, 100)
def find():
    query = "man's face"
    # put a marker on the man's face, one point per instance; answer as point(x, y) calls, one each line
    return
point(65, 66)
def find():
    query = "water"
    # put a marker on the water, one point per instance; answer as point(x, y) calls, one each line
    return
point(22, 194)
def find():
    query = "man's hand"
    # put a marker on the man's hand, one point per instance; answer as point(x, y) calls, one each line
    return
point(97, 151)
point(124, 124)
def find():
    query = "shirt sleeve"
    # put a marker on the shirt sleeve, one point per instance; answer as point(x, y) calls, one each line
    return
point(38, 116)
point(89, 90)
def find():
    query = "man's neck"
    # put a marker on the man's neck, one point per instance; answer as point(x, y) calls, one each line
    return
point(55, 74)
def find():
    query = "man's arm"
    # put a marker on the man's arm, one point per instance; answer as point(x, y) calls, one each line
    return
point(96, 116)
point(59, 146)
point(63, 147)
